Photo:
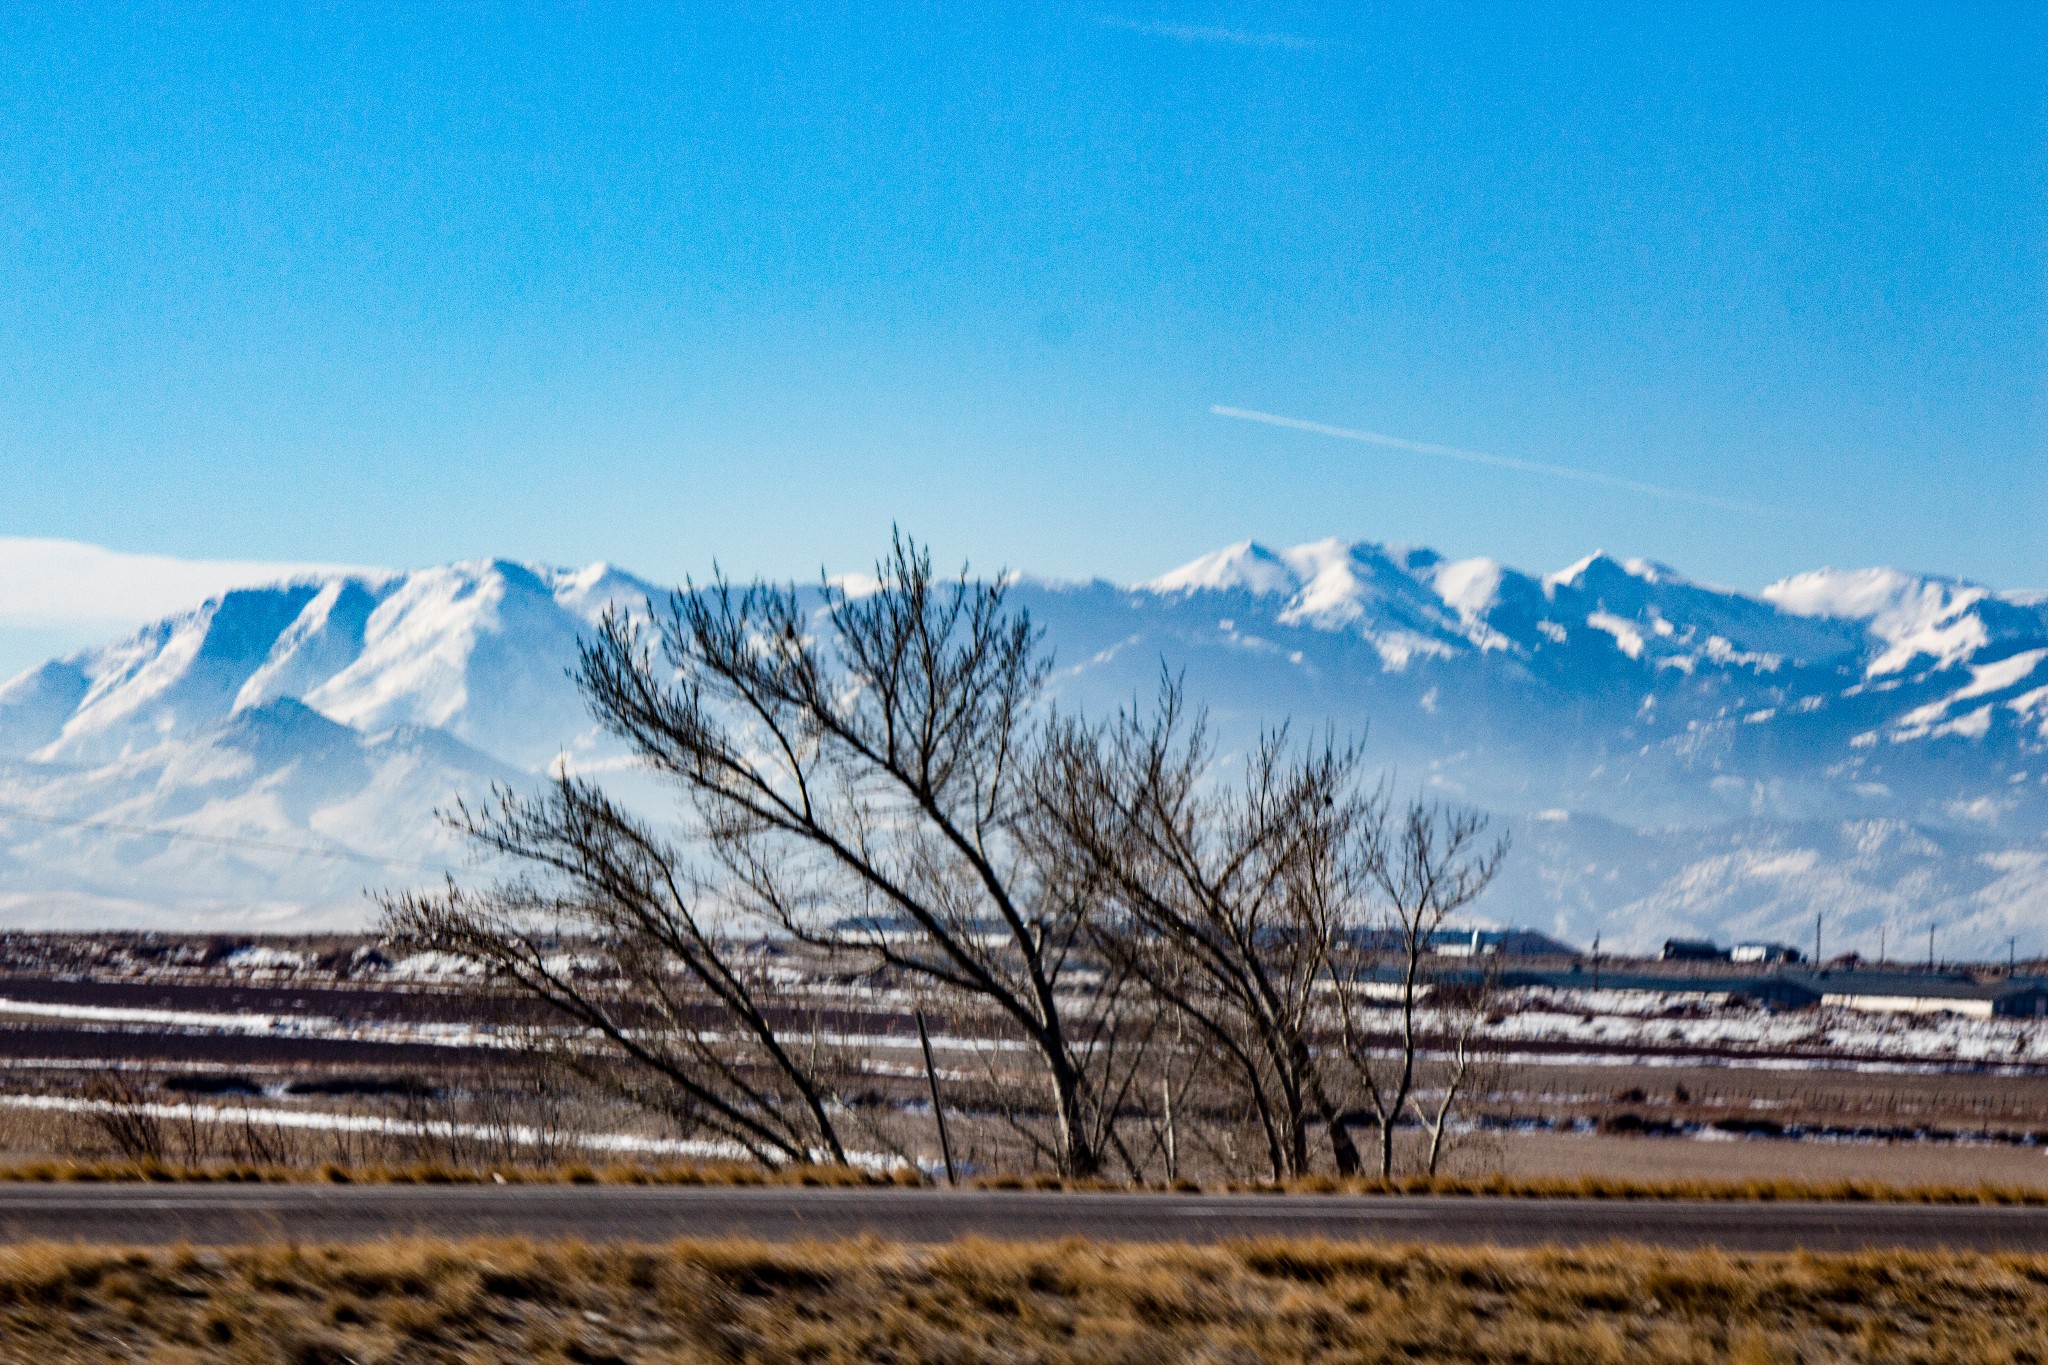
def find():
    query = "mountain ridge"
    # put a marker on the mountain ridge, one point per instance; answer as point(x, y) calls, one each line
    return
point(1662, 717)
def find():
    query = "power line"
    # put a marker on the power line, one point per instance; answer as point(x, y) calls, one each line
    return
point(222, 840)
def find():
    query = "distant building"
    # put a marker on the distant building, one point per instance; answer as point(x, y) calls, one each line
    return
point(1923, 993)
point(1465, 942)
point(1764, 952)
point(1700, 967)
point(2025, 1002)
point(1488, 942)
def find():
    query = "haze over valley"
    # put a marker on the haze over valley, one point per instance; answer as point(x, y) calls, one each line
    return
point(1671, 758)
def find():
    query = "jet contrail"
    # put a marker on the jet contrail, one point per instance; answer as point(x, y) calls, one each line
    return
point(1556, 471)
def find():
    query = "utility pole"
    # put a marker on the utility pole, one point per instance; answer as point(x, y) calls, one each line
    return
point(1880, 944)
point(1816, 936)
point(931, 1075)
point(1596, 959)
point(1930, 947)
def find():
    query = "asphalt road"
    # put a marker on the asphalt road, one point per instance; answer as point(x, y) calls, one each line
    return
point(227, 1214)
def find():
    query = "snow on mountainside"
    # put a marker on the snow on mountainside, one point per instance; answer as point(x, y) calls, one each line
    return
point(456, 648)
point(335, 715)
point(1840, 661)
point(1672, 757)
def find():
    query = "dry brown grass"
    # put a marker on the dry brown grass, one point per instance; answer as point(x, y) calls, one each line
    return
point(1718, 1191)
point(737, 1173)
point(975, 1301)
point(1593, 1187)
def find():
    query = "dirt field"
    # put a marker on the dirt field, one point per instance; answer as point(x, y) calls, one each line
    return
point(1954, 1098)
point(1657, 1159)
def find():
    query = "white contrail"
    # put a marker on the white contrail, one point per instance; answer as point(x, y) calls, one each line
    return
point(1556, 471)
point(1203, 33)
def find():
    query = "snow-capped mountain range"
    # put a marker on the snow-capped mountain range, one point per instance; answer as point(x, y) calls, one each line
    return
point(1669, 757)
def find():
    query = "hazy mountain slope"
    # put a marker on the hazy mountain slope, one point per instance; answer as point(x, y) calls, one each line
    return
point(1618, 689)
point(1671, 756)
point(244, 791)
point(332, 715)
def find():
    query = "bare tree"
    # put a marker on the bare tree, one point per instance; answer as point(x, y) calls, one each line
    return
point(857, 771)
point(1422, 866)
point(121, 1112)
point(600, 924)
point(1224, 898)
point(1458, 1059)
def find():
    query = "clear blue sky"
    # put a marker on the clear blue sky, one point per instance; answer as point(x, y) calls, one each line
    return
point(656, 285)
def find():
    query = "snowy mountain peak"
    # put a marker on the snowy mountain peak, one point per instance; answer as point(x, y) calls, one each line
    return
point(1915, 616)
point(1244, 567)
point(1601, 572)
point(1870, 742)
point(449, 647)
point(1411, 602)
point(1920, 620)
point(1471, 587)
point(1574, 573)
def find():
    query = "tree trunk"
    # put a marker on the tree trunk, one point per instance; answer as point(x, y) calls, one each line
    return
point(1078, 1157)
point(1343, 1151)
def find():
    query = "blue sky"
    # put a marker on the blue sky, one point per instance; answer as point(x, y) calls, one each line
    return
point(659, 286)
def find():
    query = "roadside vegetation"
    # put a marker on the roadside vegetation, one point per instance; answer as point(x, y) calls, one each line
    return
point(977, 1301)
point(823, 1175)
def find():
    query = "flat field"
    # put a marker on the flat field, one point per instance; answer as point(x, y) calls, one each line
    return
point(1658, 1159)
point(298, 1053)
